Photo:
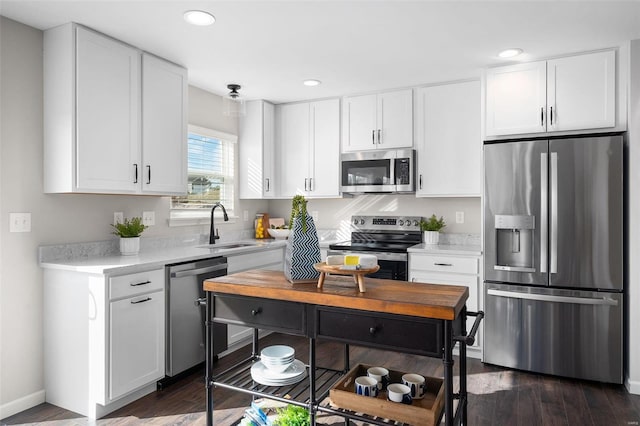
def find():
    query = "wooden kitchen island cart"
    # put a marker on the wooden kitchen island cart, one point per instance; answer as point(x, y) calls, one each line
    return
point(421, 319)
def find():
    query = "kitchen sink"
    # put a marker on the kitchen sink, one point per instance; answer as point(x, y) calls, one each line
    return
point(227, 246)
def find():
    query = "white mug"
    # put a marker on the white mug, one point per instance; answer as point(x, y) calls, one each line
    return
point(397, 392)
point(416, 383)
point(367, 386)
point(381, 374)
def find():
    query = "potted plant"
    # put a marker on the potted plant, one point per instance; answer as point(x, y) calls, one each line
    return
point(303, 248)
point(129, 232)
point(431, 229)
point(293, 415)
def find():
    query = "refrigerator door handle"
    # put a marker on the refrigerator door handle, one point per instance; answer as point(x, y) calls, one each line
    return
point(553, 259)
point(551, 298)
point(544, 210)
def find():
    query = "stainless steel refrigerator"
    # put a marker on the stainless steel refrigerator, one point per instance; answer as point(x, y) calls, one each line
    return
point(553, 250)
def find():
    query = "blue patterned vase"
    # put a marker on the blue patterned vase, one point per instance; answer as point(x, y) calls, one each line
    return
point(303, 251)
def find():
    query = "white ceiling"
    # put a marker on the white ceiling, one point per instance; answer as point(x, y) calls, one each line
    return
point(270, 47)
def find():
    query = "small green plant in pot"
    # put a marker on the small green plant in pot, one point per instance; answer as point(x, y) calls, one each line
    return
point(431, 229)
point(129, 232)
point(293, 415)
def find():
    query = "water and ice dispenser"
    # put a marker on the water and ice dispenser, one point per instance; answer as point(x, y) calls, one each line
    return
point(515, 243)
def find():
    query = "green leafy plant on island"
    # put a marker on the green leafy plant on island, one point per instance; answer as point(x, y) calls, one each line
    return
point(299, 209)
point(130, 228)
point(432, 224)
point(293, 415)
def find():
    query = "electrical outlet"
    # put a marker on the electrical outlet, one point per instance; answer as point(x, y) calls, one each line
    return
point(245, 215)
point(314, 214)
point(148, 218)
point(19, 222)
point(118, 217)
point(459, 217)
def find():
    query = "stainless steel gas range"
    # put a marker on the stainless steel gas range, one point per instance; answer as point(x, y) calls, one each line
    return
point(387, 237)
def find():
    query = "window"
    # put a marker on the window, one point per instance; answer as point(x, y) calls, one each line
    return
point(211, 174)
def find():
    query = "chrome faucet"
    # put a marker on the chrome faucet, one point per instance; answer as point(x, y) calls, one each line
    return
point(214, 236)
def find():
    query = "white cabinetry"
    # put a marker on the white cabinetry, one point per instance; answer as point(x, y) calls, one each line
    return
point(448, 141)
point(378, 121)
point(268, 259)
point(572, 93)
point(114, 117)
point(256, 151)
point(309, 138)
point(459, 270)
point(104, 338)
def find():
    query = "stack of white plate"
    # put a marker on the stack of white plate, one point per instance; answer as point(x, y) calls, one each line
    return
point(278, 367)
point(277, 358)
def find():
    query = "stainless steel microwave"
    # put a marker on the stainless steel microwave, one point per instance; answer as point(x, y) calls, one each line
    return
point(378, 171)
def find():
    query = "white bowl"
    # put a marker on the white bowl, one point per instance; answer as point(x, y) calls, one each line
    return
point(279, 234)
point(278, 368)
point(277, 352)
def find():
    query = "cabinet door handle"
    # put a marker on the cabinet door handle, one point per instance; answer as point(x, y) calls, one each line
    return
point(542, 116)
point(140, 301)
point(148, 175)
point(551, 116)
point(310, 184)
point(420, 181)
point(256, 311)
point(268, 185)
point(305, 184)
point(135, 172)
point(443, 264)
point(140, 283)
point(379, 137)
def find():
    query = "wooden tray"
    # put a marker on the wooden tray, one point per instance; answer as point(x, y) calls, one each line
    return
point(358, 274)
point(425, 411)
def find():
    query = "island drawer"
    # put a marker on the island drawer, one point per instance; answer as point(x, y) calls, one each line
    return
point(255, 312)
point(385, 331)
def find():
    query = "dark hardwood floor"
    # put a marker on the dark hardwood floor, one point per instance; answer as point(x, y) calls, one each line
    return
point(497, 396)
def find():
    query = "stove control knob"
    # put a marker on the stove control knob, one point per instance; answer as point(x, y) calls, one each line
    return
point(407, 222)
point(416, 223)
point(401, 222)
point(361, 221)
point(355, 221)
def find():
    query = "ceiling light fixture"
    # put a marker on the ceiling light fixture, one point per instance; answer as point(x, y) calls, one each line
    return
point(199, 17)
point(232, 104)
point(311, 82)
point(510, 53)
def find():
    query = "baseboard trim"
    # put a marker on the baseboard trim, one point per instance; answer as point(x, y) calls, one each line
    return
point(19, 405)
point(632, 386)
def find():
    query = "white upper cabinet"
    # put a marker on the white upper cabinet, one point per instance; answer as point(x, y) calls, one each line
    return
point(112, 117)
point(572, 93)
point(378, 121)
point(256, 151)
point(448, 141)
point(309, 142)
point(164, 126)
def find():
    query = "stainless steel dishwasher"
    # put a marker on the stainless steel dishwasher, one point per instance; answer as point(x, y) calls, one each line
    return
point(185, 325)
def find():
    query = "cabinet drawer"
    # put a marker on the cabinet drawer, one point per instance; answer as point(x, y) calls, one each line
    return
point(460, 265)
point(417, 336)
point(132, 284)
point(268, 314)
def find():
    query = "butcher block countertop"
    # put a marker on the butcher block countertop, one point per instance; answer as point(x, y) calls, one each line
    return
point(387, 296)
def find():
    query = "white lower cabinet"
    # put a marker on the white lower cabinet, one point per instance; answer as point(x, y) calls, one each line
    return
point(104, 338)
point(459, 270)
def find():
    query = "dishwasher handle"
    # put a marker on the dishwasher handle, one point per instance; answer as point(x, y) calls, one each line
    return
point(552, 298)
point(199, 271)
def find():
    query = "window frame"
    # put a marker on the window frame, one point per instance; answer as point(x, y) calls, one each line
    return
point(186, 217)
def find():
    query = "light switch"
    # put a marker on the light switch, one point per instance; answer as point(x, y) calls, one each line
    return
point(118, 217)
point(19, 222)
point(314, 214)
point(459, 217)
point(245, 215)
point(148, 218)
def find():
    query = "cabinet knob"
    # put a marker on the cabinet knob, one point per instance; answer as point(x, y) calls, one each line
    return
point(255, 312)
point(373, 330)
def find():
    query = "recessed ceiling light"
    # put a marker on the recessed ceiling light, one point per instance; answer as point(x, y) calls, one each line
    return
point(311, 82)
point(199, 17)
point(510, 53)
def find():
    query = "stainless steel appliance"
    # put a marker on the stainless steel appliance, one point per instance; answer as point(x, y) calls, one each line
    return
point(553, 249)
point(387, 237)
point(185, 326)
point(378, 171)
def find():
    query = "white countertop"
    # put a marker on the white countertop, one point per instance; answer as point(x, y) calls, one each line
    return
point(467, 250)
point(155, 258)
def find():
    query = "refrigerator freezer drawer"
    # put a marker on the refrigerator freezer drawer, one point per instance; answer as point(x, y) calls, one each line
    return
point(561, 332)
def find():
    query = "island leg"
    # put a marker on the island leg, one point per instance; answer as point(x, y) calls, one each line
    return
point(209, 358)
point(447, 360)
